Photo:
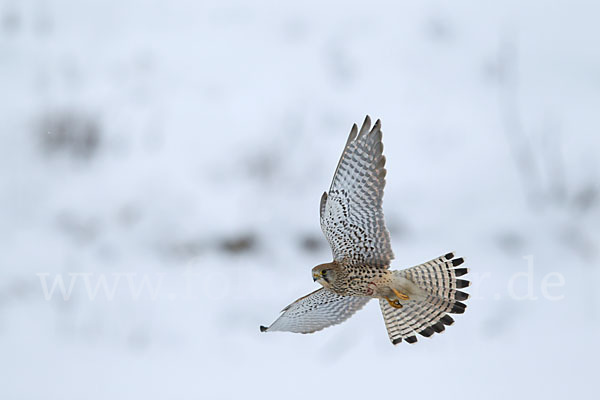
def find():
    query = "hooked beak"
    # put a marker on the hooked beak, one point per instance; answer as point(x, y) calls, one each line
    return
point(316, 276)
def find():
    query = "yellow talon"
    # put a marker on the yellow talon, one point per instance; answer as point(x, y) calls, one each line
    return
point(401, 296)
point(394, 303)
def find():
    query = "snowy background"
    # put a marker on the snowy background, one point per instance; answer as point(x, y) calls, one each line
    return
point(164, 162)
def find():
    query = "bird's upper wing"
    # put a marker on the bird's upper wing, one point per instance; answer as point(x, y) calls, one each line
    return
point(315, 311)
point(351, 213)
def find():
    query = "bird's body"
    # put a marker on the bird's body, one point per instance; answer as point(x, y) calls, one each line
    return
point(413, 300)
point(368, 281)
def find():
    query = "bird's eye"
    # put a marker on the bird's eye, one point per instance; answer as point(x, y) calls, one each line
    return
point(324, 272)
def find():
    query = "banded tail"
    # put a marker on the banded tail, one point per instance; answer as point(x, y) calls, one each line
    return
point(439, 279)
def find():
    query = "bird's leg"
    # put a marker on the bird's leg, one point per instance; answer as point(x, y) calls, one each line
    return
point(394, 303)
point(400, 295)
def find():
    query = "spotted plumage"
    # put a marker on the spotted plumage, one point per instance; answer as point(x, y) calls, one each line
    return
point(413, 301)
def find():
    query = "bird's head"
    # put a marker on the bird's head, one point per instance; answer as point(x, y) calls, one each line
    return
point(325, 274)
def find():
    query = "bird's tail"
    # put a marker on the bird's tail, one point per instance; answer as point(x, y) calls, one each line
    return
point(439, 280)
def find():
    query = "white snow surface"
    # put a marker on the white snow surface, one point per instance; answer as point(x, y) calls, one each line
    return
point(188, 143)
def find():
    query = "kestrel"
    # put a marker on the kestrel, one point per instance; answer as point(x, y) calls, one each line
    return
point(413, 300)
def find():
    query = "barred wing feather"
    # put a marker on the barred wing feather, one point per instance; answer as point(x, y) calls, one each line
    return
point(351, 213)
point(315, 311)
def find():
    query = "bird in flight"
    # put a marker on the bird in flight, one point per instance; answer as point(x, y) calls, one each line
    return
point(413, 301)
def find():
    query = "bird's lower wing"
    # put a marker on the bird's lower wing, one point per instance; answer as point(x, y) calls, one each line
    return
point(315, 311)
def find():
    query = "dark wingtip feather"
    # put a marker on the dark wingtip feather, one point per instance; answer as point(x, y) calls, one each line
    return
point(396, 341)
point(460, 271)
point(263, 328)
point(411, 339)
point(438, 327)
point(458, 308)
point(366, 127)
point(447, 320)
point(353, 134)
point(461, 283)
point(427, 331)
point(449, 256)
point(460, 296)
point(457, 261)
